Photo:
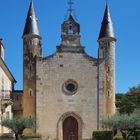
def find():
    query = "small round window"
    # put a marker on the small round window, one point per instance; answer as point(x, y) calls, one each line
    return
point(70, 87)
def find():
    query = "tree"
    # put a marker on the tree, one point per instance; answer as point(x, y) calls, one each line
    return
point(17, 125)
point(127, 103)
point(128, 125)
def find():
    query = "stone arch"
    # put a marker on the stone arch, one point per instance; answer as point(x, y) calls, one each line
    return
point(60, 123)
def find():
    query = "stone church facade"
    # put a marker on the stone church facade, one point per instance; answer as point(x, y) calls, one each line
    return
point(69, 92)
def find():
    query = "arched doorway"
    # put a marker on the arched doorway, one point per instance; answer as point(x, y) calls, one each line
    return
point(63, 119)
point(70, 128)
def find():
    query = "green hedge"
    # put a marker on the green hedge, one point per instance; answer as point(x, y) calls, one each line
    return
point(121, 138)
point(102, 135)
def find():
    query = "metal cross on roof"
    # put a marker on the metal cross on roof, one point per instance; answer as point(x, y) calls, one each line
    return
point(70, 10)
point(70, 3)
point(106, 1)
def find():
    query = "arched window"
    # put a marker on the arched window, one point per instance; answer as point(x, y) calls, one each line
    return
point(70, 29)
point(108, 69)
point(30, 92)
point(109, 94)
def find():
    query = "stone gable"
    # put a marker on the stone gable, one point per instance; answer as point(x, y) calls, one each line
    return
point(53, 102)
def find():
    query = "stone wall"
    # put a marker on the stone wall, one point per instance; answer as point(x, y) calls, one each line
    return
point(107, 54)
point(54, 105)
point(110, 77)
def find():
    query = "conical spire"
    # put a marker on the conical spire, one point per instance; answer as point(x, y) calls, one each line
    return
point(107, 26)
point(31, 26)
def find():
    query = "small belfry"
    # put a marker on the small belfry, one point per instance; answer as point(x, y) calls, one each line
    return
point(70, 32)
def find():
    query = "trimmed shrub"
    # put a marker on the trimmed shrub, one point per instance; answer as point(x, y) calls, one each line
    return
point(131, 138)
point(121, 138)
point(102, 135)
point(118, 138)
point(31, 137)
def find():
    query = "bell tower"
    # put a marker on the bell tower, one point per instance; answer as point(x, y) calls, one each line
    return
point(70, 33)
point(31, 50)
point(106, 52)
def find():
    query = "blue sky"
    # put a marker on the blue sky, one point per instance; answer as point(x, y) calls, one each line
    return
point(51, 13)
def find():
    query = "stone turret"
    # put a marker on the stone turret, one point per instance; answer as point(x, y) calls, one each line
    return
point(106, 53)
point(31, 50)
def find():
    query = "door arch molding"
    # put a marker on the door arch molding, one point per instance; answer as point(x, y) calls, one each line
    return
point(60, 124)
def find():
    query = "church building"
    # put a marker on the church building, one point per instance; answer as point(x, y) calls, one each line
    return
point(69, 92)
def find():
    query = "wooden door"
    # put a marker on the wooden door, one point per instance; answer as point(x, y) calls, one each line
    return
point(70, 129)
